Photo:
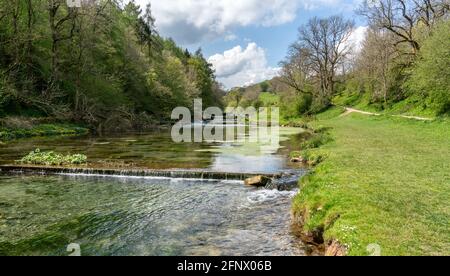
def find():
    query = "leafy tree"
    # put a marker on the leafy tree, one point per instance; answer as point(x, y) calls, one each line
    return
point(103, 64)
point(264, 86)
point(205, 78)
point(430, 77)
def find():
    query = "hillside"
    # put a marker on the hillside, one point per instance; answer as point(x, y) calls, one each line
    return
point(101, 65)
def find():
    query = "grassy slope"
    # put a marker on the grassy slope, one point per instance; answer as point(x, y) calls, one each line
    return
point(412, 106)
point(388, 180)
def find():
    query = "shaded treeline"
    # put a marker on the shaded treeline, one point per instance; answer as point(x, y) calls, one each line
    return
point(103, 64)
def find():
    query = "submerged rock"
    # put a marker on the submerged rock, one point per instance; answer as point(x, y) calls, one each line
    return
point(258, 181)
point(285, 183)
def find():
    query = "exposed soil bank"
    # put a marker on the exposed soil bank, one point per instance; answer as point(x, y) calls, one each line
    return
point(315, 238)
point(312, 140)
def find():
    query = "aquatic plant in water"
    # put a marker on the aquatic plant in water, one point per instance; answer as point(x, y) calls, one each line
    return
point(52, 158)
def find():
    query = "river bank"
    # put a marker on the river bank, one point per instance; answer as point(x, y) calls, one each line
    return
point(12, 128)
point(383, 187)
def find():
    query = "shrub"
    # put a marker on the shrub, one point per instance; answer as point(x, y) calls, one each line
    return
point(317, 140)
point(321, 129)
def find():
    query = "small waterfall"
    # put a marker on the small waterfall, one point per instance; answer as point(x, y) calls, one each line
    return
point(287, 181)
point(188, 174)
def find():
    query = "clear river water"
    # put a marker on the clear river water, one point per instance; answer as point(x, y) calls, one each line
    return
point(42, 215)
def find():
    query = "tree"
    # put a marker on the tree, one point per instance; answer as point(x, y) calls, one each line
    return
point(146, 28)
point(234, 97)
point(322, 46)
point(402, 17)
point(430, 78)
point(103, 64)
point(375, 62)
point(205, 77)
point(264, 86)
point(62, 26)
point(296, 70)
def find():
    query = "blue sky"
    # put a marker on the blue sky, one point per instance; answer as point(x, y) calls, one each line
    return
point(244, 39)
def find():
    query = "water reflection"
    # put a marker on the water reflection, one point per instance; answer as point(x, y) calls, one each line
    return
point(156, 150)
point(41, 215)
point(245, 163)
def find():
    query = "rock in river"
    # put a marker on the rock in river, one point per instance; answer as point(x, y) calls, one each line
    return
point(297, 160)
point(258, 181)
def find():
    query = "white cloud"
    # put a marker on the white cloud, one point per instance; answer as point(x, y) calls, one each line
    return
point(241, 67)
point(193, 21)
point(356, 39)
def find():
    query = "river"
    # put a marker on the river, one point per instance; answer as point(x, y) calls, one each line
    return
point(42, 215)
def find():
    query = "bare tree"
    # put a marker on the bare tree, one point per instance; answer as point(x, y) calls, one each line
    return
point(375, 62)
point(402, 17)
point(295, 70)
point(322, 46)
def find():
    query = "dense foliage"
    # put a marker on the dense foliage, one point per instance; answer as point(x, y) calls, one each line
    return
point(430, 77)
point(402, 66)
point(103, 64)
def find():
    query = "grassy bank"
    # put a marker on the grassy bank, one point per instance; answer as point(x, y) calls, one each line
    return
point(15, 128)
point(385, 181)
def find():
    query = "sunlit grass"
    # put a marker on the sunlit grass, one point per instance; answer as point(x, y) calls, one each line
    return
point(388, 181)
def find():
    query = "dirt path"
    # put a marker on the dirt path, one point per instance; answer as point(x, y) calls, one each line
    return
point(414, 117)
point(349, 111)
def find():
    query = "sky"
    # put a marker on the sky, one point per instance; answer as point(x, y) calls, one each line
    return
point(244, 39)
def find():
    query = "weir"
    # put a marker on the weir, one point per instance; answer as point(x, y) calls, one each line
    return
point(189, 174)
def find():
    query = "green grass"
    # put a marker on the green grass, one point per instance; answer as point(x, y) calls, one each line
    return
point(41, 130)
point(412, 107)
point(358, 101)
point(385, 181)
